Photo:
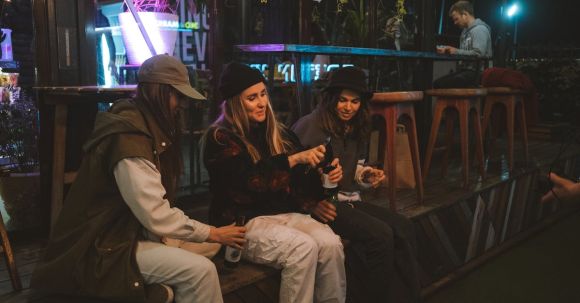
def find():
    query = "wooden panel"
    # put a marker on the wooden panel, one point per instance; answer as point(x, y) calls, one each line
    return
point(232, 298)
point(58, 161)
point(476, 227)
point(523, 193)
point(270, 288)
point(428, 262)
point(498, 214)
point(244, 274)
point(508, 209)
point(440, 257)
point(454, 239)
point(252, 294)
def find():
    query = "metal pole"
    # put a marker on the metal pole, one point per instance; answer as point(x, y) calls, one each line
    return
point(141, 27)
point(515, 42)
point(441, 17)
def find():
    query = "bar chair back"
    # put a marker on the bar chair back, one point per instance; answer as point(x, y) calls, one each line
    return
point(392, 106)
point(512, 101)
point(465, 101)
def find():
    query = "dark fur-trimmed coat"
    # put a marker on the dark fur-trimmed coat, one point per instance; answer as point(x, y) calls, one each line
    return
point(268, 187)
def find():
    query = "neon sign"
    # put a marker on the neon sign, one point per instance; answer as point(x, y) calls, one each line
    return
point(286, 71)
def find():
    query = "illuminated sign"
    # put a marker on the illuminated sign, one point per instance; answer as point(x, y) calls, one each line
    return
point(286, 71)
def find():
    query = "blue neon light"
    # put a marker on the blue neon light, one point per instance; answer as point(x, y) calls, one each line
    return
point(288, 71)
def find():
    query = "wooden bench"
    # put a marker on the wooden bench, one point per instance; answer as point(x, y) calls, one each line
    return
point(247, 282)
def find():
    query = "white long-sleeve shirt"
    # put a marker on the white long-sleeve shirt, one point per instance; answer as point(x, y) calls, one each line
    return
point(140, 185)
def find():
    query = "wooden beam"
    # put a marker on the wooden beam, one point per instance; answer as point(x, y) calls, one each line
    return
point(58, 164)
point(304, 19)
point(215, 51)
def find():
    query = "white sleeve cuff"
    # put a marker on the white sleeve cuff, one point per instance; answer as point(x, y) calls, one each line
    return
point(140, 186)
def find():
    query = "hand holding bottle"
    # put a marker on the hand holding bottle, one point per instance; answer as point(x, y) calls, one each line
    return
point(335, 172)
point(324, 211)
point(230, 235)
point(233, 254)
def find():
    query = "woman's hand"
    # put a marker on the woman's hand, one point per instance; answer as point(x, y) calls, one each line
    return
point(311, 156)
point(374, 177)
point(230, 235)
point(335, 175)
point(325, 211)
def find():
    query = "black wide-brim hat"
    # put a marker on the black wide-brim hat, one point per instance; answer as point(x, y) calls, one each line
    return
point(349, 77)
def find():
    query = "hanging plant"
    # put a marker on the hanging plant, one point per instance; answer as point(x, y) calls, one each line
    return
point(315, 15)
point(355, 25)
point(400, 8)
point(340, 5)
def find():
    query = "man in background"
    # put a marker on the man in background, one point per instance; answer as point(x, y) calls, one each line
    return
point(475, 40)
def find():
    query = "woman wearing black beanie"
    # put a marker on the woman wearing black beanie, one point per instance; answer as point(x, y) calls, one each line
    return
point(257, 170)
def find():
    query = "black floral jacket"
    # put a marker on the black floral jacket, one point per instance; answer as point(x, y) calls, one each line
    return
point(241, 187)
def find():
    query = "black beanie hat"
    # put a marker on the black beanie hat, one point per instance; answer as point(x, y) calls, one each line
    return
point(236, 77)
point(349, 77)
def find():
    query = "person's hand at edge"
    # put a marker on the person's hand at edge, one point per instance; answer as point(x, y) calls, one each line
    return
point(563, 189)
point(325, 211)
point(230, 235)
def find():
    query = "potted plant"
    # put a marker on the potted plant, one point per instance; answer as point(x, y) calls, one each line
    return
point(19, 176)
point(160, 23)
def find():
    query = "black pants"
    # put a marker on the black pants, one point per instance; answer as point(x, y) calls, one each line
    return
point(381, 263)
point(460, 79)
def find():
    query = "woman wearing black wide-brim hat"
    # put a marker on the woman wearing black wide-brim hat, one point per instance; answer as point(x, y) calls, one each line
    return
point(381, 257)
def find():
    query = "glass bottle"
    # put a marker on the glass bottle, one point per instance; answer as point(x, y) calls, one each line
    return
point(234, 255)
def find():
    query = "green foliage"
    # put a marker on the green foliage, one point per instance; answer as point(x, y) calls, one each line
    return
point(19, 135)
point(344, 22)
point(355, 23)
point(558, 85)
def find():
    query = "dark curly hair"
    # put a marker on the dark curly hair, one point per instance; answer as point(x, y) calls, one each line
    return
point(358, 127)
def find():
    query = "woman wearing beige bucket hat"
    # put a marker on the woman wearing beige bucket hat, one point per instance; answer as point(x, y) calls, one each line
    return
point(106, 241)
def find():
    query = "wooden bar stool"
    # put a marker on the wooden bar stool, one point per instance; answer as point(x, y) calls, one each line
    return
point(465, 101)
point(391, 107)
point(9, 255)
point(512, 101)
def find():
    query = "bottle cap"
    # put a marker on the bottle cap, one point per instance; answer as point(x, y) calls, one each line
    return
point(240, 220)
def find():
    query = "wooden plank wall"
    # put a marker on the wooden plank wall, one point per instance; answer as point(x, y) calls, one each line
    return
point(451, 236)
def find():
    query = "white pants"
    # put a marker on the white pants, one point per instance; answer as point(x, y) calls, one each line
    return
point(310, 255)
point(193, 277)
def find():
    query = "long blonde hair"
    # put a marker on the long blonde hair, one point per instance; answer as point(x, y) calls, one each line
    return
point(235, 118)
